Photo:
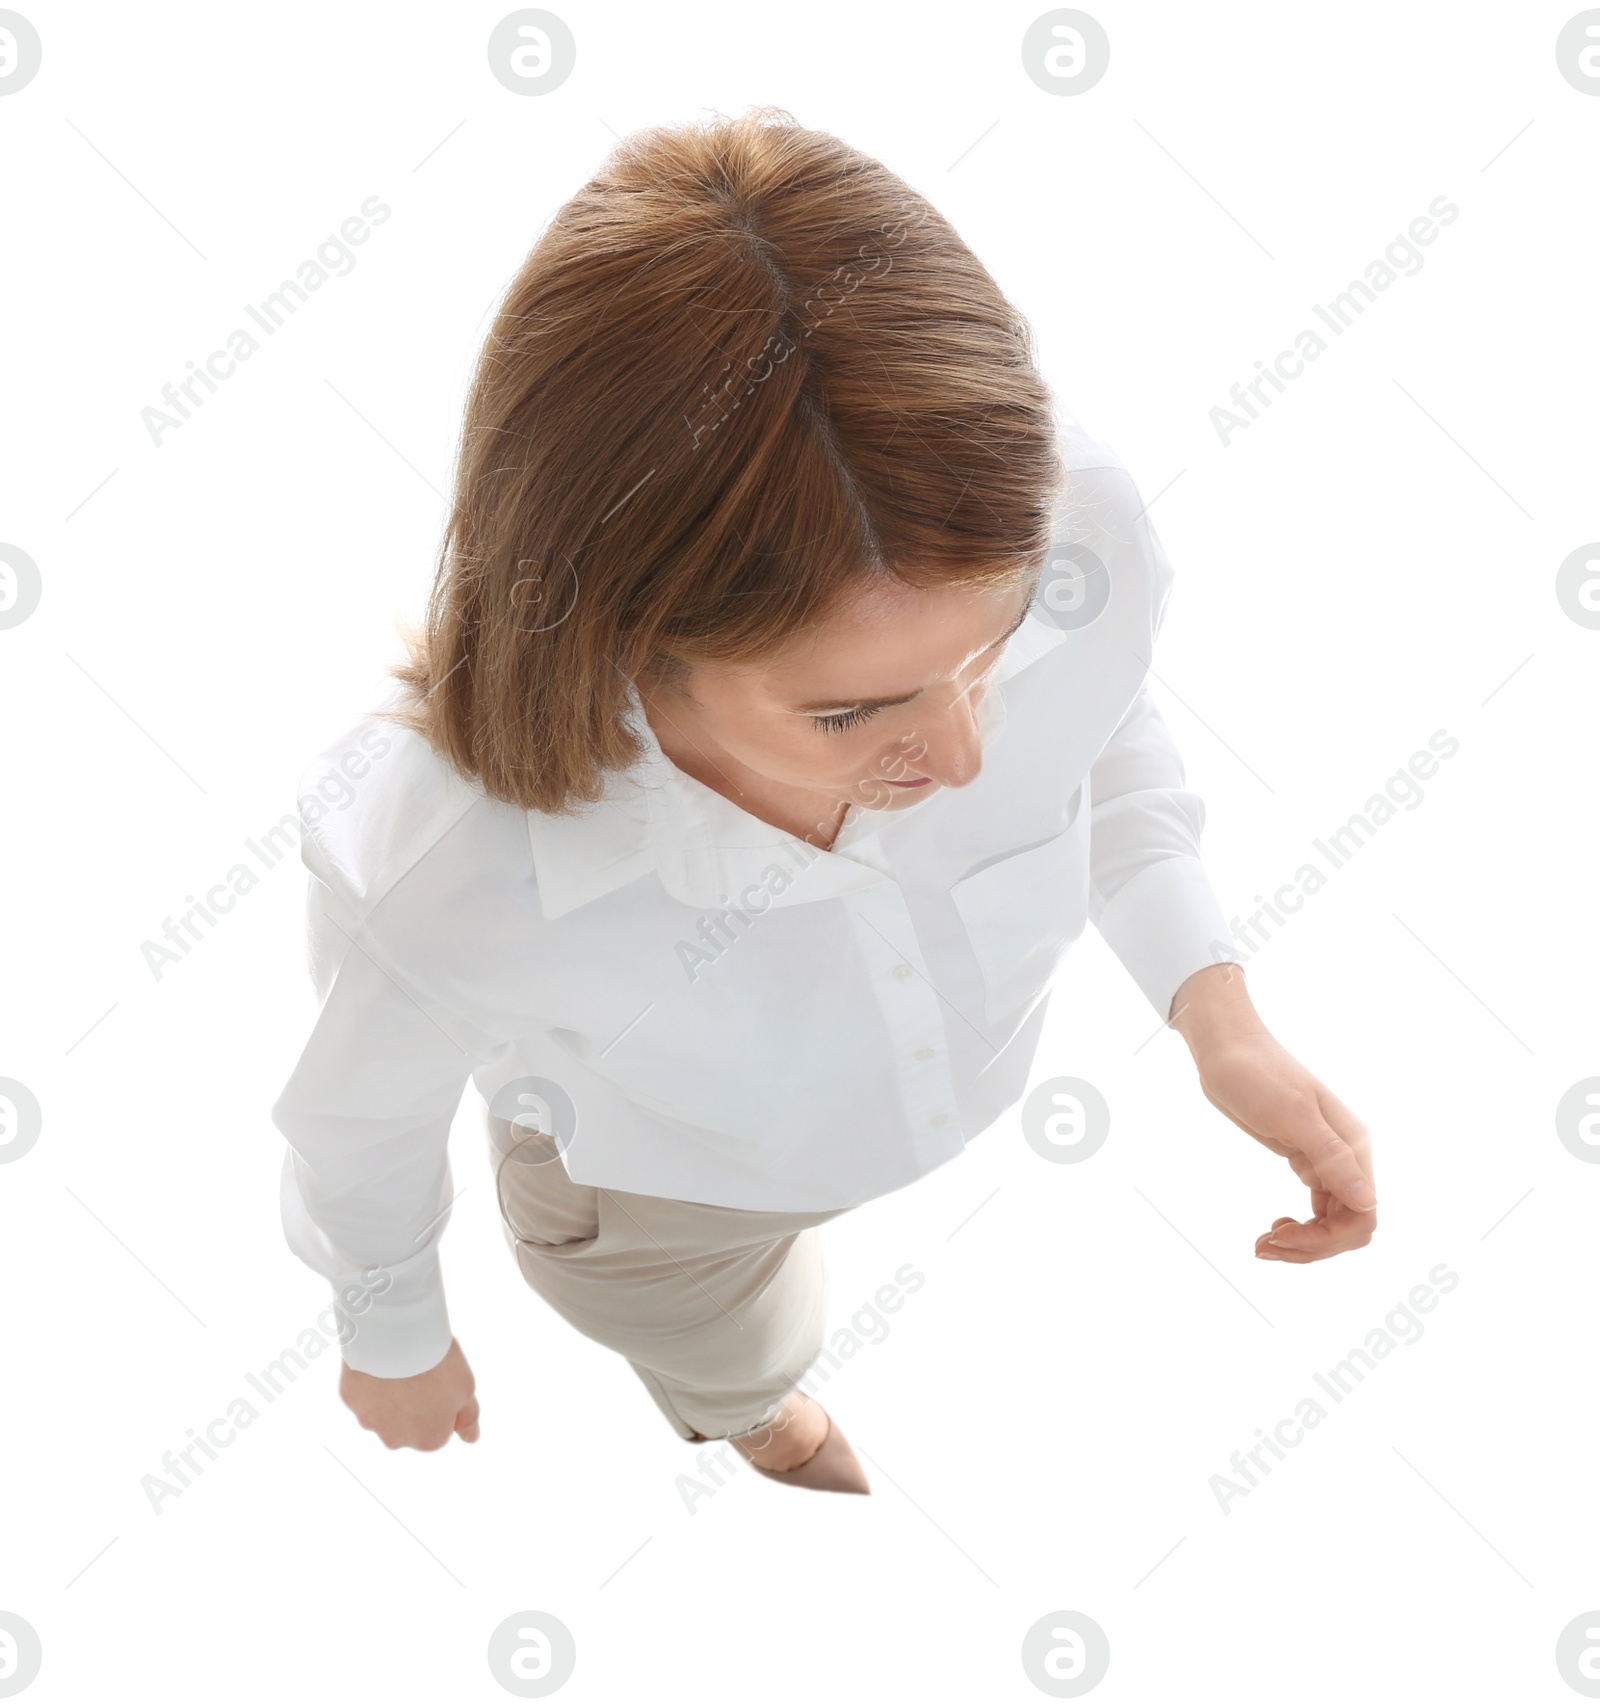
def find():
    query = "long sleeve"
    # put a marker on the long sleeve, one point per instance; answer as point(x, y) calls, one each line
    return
point(1150, 897)
point(366, 1179)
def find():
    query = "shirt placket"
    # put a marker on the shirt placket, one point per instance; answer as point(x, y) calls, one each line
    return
point(911, 1013)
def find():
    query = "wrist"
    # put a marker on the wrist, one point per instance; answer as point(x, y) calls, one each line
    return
point(1212, 1007)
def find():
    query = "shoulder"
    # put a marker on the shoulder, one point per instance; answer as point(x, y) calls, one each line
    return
point(1100, 494)
point(373, 803)
point(1106, 552)
point(1097, 610)
point(1080, 449)
point(431, 876)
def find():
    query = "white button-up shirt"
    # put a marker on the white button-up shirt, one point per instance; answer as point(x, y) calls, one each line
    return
point(699, 1005)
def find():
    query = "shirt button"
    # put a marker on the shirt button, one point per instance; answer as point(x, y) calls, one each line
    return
point(940, 1121)
point(924, 1055)
point(904, 970)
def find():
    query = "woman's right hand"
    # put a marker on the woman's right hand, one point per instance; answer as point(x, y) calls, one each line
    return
point(421, 1411)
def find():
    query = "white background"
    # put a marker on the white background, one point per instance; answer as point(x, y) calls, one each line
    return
point(1368, 563)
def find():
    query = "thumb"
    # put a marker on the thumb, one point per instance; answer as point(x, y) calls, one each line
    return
point(467, 1420)
point(1337, 1167)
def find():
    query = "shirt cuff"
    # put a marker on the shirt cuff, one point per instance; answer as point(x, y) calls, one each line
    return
point(1164, 925)
point(395, 1317)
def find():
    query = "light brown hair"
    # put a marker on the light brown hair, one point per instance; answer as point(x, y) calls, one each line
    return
point(744, 368)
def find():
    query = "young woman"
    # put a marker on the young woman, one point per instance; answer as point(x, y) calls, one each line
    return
point(779, 720)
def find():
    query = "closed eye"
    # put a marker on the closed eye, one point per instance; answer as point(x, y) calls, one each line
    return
point(844, 720)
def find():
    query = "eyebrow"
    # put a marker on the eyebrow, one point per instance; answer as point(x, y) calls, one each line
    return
point(838, 705)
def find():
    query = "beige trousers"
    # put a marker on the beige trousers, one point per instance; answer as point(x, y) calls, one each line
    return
point(719, 1311)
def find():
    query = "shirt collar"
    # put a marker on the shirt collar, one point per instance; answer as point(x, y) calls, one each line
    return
point(708, 851)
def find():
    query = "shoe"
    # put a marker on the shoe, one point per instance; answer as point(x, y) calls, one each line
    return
point(833, 1466)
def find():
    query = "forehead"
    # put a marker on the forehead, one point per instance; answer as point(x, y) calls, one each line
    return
point(890, 619)
point(890, 642)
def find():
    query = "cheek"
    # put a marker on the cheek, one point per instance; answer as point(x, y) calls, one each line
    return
point(793, 750)
point(890, 746)
point(903, 751)
point(877, 753)
point(780, 746)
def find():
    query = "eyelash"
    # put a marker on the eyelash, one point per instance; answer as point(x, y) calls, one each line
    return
point(837, 721)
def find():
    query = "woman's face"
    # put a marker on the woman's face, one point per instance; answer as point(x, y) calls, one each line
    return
point(876, 706)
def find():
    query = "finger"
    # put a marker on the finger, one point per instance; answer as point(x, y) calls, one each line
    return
point(1288, 1233)
point(1342, 1229)
point(1272, 1256)
point(467, 1420)
point(1339, 1170)
point(1326, 1212)
point(1332, 1218)
point(1348, 1127)
point(1338, 1114)
point(1287, 1254)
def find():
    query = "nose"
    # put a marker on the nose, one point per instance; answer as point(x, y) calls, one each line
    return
point(954, 744)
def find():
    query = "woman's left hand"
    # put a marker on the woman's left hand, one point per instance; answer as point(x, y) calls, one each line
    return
point(1247, 1074)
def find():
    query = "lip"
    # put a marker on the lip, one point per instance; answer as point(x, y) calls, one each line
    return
point(907, 783)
